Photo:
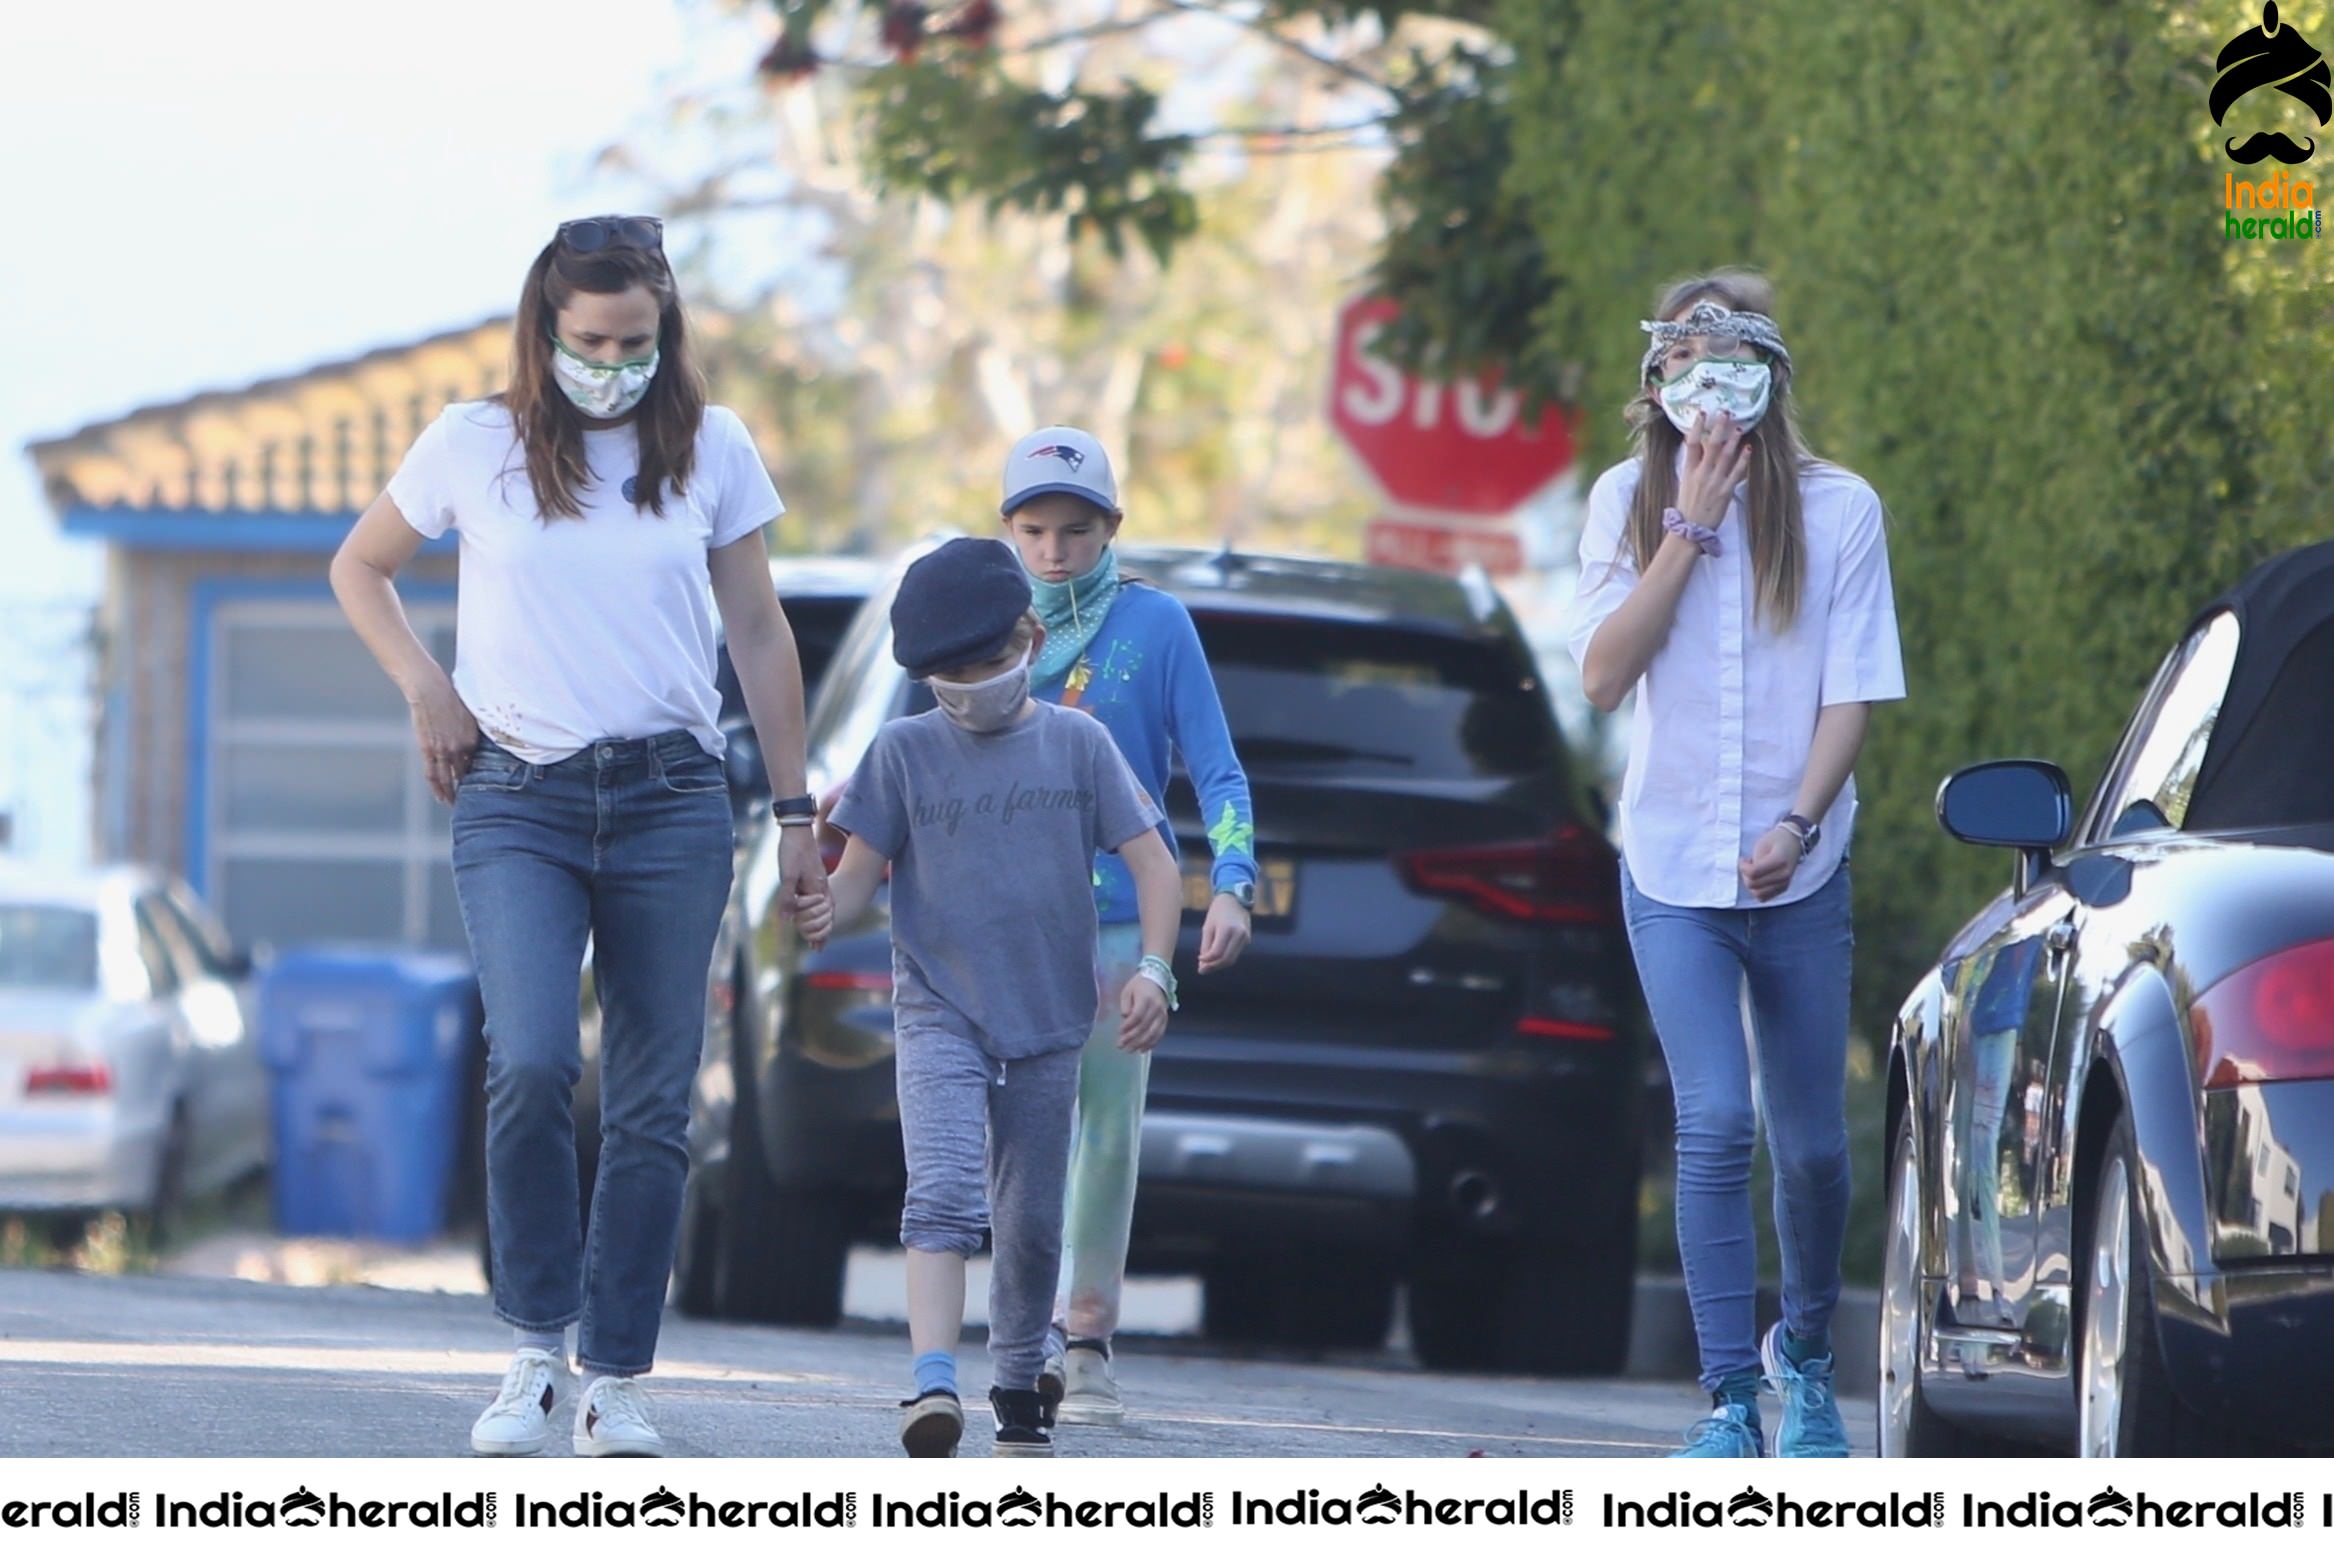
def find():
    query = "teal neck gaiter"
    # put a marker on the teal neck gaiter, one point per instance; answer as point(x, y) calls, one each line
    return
point(1072, 612)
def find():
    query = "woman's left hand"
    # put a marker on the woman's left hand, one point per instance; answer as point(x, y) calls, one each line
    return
point(1771, 865)
point(1225, 934)
point(801, 874)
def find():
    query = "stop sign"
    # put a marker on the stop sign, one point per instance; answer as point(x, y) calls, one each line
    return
point(1453, 448)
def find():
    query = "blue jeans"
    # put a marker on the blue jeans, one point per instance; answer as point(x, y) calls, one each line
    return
point(1693, 963)
point(628, 840)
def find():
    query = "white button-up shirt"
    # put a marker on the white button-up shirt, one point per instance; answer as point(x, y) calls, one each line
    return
point(1726, 709)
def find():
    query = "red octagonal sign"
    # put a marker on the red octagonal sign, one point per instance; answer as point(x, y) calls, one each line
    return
point(1457, 448)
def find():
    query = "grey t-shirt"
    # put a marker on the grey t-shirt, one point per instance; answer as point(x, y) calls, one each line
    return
point(992, 841)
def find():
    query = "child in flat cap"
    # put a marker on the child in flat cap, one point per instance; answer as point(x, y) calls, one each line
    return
point(989, 811)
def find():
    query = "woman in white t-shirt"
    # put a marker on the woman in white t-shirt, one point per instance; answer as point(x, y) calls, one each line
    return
point(1739, 585)
point(604, 509)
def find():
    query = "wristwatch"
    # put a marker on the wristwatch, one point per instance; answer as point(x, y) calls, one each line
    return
point(1242, 892)
point(798, 810)
point(1808, 832)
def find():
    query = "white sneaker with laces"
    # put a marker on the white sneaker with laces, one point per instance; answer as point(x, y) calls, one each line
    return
point(611, 1422)
point(1089, 1392)
point(519, 1421)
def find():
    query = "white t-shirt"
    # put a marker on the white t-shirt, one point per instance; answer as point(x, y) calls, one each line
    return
point(1726, 709)
point(576, 630)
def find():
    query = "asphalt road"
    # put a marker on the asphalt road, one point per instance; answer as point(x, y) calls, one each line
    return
point(172, 1365)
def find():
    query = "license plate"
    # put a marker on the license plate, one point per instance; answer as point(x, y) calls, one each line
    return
point(1276, 887)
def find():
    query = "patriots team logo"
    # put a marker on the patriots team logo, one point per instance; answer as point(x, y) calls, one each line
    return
point(1067, 455)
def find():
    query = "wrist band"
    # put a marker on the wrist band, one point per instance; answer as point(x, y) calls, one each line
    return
point(1156, 969)
point(1677, 523)
point(797, 821)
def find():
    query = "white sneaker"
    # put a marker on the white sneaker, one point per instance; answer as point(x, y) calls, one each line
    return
point(519, 1421)
point(933, 1426)
point(1051, 1376)
point(1089, 1392)
point(611, 1422)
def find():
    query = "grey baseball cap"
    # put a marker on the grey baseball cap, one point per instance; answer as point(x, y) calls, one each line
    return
point(1059, 459)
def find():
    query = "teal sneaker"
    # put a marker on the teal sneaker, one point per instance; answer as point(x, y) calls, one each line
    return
point(1728, 1432)
point(1812, 1428)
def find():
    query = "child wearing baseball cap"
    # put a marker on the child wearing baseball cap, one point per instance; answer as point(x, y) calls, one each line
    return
point(1128, 654)
point(989, 811)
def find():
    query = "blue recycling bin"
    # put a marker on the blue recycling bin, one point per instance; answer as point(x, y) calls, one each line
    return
point(369, 1051)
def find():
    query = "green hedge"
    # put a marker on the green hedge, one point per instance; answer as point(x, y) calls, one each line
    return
point(1995, 235)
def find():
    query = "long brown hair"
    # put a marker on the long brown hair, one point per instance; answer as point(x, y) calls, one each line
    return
point(550, 430)
point(1779, 456)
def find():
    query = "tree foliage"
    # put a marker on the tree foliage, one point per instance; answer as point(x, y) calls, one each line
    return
point(887, 351)
point(954, 114)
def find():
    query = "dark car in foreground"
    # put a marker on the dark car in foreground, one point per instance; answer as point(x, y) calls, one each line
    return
point(1425, 1072)
point(2111, 1180)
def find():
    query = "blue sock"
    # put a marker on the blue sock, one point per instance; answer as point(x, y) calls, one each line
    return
point(935, 1370)
point(1801, 1352)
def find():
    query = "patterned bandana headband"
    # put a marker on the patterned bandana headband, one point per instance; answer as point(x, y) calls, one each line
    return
point(1716, 321)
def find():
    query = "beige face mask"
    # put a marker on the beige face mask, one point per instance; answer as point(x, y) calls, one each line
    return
point(984, 707)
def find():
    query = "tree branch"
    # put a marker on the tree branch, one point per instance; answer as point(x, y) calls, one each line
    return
point(1265, 29)
point(1107, 29)
point(1293, 131)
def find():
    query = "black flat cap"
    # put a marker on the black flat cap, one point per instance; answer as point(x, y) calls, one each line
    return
point(958, 606)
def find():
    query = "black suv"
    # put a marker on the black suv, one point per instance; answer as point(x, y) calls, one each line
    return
point(1426, 1069)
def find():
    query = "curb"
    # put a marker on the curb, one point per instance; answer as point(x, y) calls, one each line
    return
point(1661, 1334)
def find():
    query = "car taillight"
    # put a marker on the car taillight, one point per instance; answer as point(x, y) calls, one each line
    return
point(2271, 1020)
point(68, 1080)
point(1571, 1031)
point(1571, 877)
point(849, 982)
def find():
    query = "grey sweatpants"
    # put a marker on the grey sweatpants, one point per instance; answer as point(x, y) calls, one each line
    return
point(971, 1123)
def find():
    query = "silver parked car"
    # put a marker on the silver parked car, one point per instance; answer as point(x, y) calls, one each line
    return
point(130, 1075)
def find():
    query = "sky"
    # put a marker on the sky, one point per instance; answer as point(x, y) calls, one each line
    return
point(198, 196)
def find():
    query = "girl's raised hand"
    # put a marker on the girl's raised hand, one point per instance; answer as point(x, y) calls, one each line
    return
point(1717, 458)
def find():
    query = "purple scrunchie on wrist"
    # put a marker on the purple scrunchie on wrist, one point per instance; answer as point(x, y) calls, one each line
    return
point(1678, 524)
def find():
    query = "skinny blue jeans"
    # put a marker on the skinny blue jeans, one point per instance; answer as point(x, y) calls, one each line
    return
point(1693, 963)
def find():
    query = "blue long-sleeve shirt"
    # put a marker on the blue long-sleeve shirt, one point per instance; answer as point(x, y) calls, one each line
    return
point(1151, 689)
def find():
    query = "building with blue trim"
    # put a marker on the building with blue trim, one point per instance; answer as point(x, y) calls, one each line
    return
point(246, 740)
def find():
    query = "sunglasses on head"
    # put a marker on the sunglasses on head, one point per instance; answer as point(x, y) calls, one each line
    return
point(590, 234)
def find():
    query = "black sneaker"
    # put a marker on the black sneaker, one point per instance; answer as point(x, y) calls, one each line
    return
point(935, 1421)
point(1021, 1428)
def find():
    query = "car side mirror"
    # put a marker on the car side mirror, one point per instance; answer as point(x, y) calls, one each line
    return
point(749, 778)
point(2019, 803)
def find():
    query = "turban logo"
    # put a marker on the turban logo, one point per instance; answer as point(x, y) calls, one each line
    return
point(2271, 55)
